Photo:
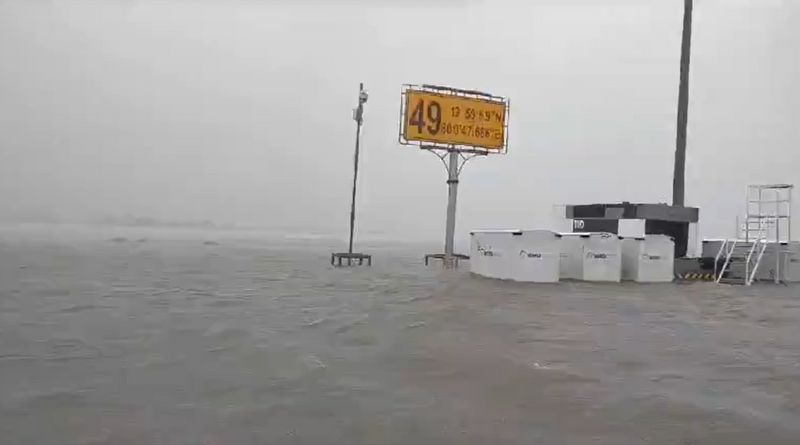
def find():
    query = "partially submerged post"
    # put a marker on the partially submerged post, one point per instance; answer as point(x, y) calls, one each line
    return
point(358, 116)
point(455, 125)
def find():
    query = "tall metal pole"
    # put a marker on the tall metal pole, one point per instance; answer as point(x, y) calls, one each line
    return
point(679, 175)
point(778, 250)
point(359, 118)
point(452, 197)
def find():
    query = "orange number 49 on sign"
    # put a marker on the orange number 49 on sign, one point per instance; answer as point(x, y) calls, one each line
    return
point(454, 120)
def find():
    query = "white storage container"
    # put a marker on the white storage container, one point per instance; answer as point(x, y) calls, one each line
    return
point(632, 228)
point(491, 253)
point(694, 247)
point(571, 258)
point(538, 256)
point(591, 256)
point(602, 258)
point(528, 256)
point(649, 259)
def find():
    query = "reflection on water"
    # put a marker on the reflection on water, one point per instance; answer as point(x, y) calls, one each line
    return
point(245, 342)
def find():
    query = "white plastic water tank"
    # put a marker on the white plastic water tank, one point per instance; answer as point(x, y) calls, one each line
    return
point(602, 258)
point(591, 256)
point(631, 228)
point(519, 255)
point(694, 246)
point(648, 259)
point(491, 253)
point(538, 256)
point(571, 257)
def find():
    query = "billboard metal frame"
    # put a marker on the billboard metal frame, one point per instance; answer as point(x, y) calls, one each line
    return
point(468, 94)
point(453, 156)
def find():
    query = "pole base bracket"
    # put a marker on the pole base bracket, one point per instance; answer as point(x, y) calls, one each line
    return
point(337, 258)
point(441, 256)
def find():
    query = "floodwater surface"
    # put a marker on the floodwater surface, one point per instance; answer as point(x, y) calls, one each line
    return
point(139, 341)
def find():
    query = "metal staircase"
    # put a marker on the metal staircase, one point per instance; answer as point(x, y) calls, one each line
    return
point(767, 227)
point(742, 259)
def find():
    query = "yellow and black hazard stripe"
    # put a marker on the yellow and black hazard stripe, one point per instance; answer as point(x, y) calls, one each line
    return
point(696, 276)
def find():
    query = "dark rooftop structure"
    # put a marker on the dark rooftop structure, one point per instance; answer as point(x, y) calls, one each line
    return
point(627, 210)
point(660, 219)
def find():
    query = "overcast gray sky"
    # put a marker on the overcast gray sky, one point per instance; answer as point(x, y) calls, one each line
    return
point(240, 111)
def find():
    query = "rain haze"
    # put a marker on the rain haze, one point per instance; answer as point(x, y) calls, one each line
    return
point(239, 112)
point(175, 190)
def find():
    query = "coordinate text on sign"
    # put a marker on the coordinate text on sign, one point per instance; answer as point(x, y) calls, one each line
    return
point(454, 120)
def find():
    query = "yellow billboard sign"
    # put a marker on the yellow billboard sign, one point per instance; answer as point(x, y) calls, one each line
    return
point(448, 118)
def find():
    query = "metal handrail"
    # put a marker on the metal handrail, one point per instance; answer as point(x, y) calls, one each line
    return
point(747, 262)
point(719, 255)
point(763, 249)
point(727, 260)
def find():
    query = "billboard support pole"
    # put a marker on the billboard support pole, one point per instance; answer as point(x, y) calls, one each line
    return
point(454, 161)
point(455, 125)
point(452, 198)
